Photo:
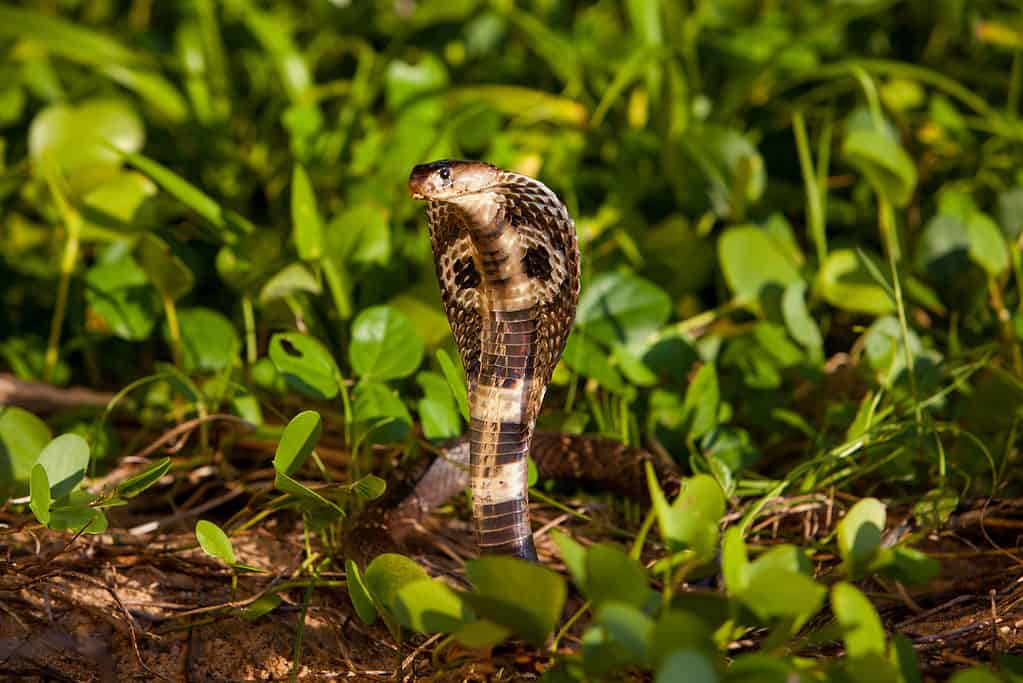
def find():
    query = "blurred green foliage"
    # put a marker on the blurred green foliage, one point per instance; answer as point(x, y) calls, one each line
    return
point(800, 225)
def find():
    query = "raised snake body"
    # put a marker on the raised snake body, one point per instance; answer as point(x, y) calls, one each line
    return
point(507, 259)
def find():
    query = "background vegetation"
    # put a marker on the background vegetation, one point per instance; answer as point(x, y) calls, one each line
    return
point(800, 225)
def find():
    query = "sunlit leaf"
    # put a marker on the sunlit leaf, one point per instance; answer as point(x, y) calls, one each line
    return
point(297, 441)
point(305, 364)
point(214, 541)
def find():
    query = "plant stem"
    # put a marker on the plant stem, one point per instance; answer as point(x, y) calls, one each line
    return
point(73, 228)
point(175, 331)
point(251, 352)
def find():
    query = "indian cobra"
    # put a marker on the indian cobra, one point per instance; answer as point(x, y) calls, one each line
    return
point(507, 259)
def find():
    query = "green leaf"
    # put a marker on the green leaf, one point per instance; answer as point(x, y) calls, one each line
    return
point(360, 234)
point(573, 555)
point(863, 633)
point(165, 270)
point(691, 520)
point(359, 593)
point(884, 163)
point(456, 380)
point(481, 634)
point(84, 140)
point(703, 399)
point(501, 583)
point(688, 666)
point(311, 501)
point(369, 487)
point(735, 565)
point(586, 357)
point(798, 320)
point(297, 441)
point(847, 283)
point(384, 344)
point(621, 307)
point(121, 300)
point(752, 260)
point(118, 208)
point(260, 607)
point(39, 490)
point(214, 541)
point(987, 245)
point(229, 225)
point(22, 438)
point(307, 228)
point(907, 565)
point(305, 364)
point(65, 460)
point(380, 412)
point(385, 577)
point(934, 508)
point(440, 420)
point(137, 483)
point(290, 280)
point(430, 606)
point(782, 593)
point(611, 575)
point(208, 339)
point(859, 534)
point(627, 627)
point(680, 629)
point(78, 517)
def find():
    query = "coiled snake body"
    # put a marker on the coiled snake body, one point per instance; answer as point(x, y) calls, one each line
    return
point(507, 259)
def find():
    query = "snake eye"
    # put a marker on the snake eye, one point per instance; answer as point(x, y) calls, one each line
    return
point(445, 174)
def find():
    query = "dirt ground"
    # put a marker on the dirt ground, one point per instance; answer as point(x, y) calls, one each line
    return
point(136, 605)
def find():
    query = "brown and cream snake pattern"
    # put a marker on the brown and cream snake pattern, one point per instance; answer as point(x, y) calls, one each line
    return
point(507, 259)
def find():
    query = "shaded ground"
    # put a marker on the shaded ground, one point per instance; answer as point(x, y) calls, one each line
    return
point(142, 605)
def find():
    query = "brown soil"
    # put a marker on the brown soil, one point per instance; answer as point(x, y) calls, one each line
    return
point(124, 606)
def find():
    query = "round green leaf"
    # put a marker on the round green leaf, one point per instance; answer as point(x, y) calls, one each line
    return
point(77, 136)
point(751, 260)
point(627, 627)
point(613, 575)
point(622, 307)
point(987, 245)
point(863, 632)
point(847, 283)
point(379, 411)
point(782, 593)
point(65, 460)
point(305, 364)
point(884, 163)
point(384, 344)
point(22, 438)
point(429, 606)
point(214, 541)
point(503, 583)
point(859, 533)
point(297, 441)
point(209, 340)
point(387, 574)
point(686, 665)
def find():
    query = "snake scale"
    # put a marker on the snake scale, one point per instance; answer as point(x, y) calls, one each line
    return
point(507, 260)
